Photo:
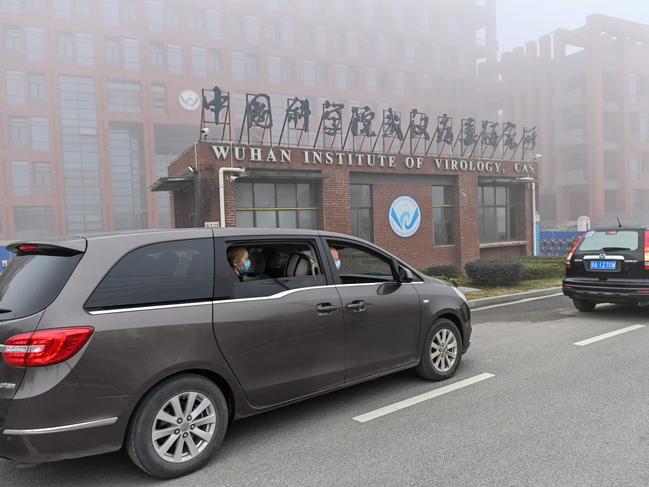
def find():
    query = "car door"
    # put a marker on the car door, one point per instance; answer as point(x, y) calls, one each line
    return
point(281, 330)
point(381, 315)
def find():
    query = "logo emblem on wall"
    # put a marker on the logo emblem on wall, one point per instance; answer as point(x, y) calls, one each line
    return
point(189, 100)
point(404, 216)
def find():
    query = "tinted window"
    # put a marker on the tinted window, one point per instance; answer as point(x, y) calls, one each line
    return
point(610, 239)
point(164, 273)
point(31, 283)
point(360, 264)
point(277, 267)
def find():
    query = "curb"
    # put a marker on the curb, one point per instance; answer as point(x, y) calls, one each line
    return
point(507, 298)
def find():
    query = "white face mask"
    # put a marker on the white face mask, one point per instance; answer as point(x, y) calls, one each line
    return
point(338, 264)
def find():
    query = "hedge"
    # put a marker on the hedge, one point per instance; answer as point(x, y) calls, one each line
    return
point(494, 272)
point(443, 271)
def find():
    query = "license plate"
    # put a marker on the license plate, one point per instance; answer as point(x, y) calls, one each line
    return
point(603, 265)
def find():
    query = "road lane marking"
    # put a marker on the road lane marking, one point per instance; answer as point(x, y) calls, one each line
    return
point(377, 413)
point(517, 302)
point(588, 341)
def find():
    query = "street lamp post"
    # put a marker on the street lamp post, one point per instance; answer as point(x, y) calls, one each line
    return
point(532, 181)
point(197, 194)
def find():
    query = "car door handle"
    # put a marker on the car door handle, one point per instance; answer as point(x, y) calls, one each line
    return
point(326, 308)
point(357, 306)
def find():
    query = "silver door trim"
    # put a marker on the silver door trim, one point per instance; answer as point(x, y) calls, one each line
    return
point(149, 308)
point(61, 429)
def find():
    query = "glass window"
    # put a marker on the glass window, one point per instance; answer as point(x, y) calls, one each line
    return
point(110, 12)
point(20, 178)
point(175, 59)
point(199, 61)
point(163, 273)
point(34, 221)
point(37, 87)
point(155, 15)
point(157, 55)
point(131, 54)
point(213, 21)
point(15, 87)
point(124, 96)
point(276, 267)
point(281, 205)
point(40, 133)
point(34, 44)
point(129, 11)
point(598, 240)
point(65, 47)
point(85, 50)
point(498, 214)
point(63, 9)
point(43, 178)
point(274, 70)
point(361, 210)
point(83, 8)
point(443, 215)
point(14, 41)
point(238, 66)
point(360, 264)
point(18, 134)
point(113, 51)
point(19, 294)
point(214, 62)
point(252, 29)
point(159, 99)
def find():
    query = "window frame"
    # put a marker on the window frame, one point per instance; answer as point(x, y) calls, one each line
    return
point(451, 205)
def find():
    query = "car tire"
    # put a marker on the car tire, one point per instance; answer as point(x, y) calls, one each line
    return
point(583, 305)
point(166, 450)
point(443, 340)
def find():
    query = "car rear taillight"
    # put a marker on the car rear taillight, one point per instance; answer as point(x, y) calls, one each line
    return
point(572, 251)
point(646, 250)
point(46, 347)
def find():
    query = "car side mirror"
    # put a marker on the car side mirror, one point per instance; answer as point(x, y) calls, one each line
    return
point(405, 275)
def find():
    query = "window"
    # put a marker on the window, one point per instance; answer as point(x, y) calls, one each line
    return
point(157, 56)
point(372, 80)
point(213, 20)
point(129, 11)
point(214, 62)
point(321, 40)
point(34, 221)
point(124, 96)
point(155, 15)
point(277, 205)
point(274, 70)
point(309, 74)
point(252, 29)
point(197, 21)
point(85, 50)
point(14, 41)
point(276, 267)
point(110, 12)
point(82, 8)
point(15, 88)
point(341, 77)
point(400, 83)
point(113, 51)
point(359, 264)
point(498, 214)
point(131, 54)
point(238, 66)
point(40, 133)
point(199, 61)
point(159, 99)
point(163, 273)
point(35, 48)
point(252, 67)
point(63, 9)
point(361, 207)
point(37, 87)
point(18, 134)
point(20, 178)
point(435, 57)
point(443, 215)
point(172, 17)
point(65, 49)
point(175, 59)
point(43, 178)
point(287, 34)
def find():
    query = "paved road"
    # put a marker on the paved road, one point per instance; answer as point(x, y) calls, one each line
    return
point(553, 414)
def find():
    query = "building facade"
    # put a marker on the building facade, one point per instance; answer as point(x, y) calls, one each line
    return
point(97, 97)
point(587, 91)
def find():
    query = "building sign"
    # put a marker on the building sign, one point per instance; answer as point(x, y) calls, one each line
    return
point(189, 100)
point(404, 216)
point(366, 161)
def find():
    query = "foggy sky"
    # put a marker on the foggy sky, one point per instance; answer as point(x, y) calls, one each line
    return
point(520, 21)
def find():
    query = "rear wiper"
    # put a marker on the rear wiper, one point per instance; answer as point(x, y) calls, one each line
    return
point(5, 310)
point(613, 249)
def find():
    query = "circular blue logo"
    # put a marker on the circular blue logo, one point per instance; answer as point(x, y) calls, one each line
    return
point(404, 216)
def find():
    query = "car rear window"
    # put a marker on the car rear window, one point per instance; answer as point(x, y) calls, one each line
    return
point(31, 282)
point(610, 240)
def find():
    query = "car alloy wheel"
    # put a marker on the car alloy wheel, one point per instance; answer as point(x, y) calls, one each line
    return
point(183, 427)
point(443, 352)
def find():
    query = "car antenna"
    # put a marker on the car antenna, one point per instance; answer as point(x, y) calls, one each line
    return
point(619, 223)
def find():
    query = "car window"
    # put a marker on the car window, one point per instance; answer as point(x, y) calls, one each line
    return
point(164, 273)
point(610, 240)
point(30, 283)
point(359, 264)
point(275, 267)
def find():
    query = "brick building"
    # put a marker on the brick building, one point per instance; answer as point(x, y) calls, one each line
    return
point(468, 208)
point(90, 106)
point(587, 91)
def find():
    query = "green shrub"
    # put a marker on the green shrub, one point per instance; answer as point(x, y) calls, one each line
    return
point(542, 270)
point(443, 271)
point(494, 272)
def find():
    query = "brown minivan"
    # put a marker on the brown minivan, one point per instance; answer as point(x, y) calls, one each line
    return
point(156, 340)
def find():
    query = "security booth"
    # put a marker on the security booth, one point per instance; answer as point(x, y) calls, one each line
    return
point(428, 206)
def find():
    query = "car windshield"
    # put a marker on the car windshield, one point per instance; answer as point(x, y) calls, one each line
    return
point(610, 241)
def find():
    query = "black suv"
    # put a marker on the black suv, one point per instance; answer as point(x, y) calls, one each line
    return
point(608, 265)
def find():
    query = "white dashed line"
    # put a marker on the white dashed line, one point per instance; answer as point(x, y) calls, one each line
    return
point(516, 302)
point(608, 335)
point(377, 413)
